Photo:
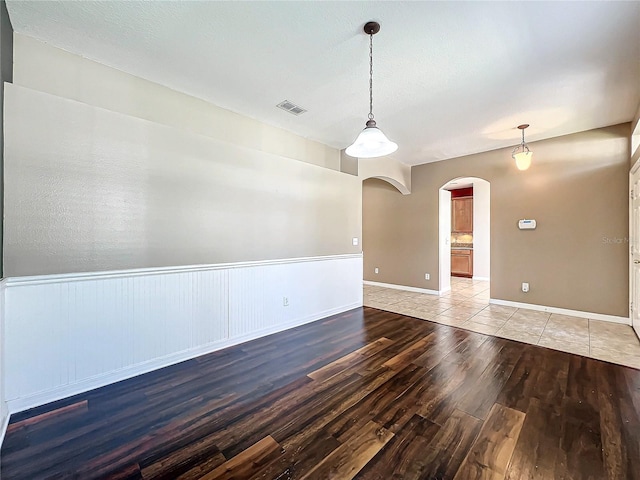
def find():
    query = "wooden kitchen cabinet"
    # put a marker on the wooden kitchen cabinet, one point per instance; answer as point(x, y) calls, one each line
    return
point(462, 262)
point(462, 215)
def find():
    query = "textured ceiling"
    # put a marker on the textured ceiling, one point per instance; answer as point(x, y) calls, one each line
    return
point(450, 78)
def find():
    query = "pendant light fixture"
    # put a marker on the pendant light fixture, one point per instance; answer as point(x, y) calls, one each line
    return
point(521, 154)
point(371, 142)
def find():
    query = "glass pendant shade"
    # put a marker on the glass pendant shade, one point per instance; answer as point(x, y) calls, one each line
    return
point(521, 154)
point(523, 159)
point(371, 143)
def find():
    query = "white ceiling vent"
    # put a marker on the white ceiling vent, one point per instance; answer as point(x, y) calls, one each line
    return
point(290, 107)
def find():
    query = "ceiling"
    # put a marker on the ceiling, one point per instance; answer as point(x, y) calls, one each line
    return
point(450, 78)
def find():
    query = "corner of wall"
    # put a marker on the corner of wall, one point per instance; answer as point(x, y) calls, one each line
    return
point(6, 75)
point(634, 140)
point(348, 164)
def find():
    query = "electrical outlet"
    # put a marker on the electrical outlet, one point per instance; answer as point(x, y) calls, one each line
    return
point(375, 270)
point(285, 301)
point(354, 241)
point(427, 276)
point(525, 287)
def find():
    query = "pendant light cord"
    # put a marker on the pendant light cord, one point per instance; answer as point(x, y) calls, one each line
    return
point(371, 76)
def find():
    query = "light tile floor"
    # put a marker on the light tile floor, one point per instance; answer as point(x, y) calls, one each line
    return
point(467, 306)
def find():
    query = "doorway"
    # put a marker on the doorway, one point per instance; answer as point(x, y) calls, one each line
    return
point(465, 202)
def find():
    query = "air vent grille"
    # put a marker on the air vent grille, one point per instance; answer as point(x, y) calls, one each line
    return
point(291, 107)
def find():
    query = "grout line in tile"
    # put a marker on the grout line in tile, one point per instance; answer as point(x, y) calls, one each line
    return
point(545, 327)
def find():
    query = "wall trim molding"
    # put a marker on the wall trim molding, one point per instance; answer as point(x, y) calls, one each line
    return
point(69, 390)
point(562, 311)
point(137, 272)
point(402, 287)
point(484, 279)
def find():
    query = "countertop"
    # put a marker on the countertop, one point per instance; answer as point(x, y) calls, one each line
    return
point(462, 246)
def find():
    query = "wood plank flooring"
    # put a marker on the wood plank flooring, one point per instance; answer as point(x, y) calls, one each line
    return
point(366, 394)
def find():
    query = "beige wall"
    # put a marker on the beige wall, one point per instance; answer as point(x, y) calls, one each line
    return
point(576, 189)
point(106, 171)
point(42, 67)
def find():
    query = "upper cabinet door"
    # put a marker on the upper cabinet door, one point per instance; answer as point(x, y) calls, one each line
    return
point(462, 215)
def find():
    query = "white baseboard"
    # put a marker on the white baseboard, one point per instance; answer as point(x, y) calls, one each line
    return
point(401, 287)
point(445, 290)
point(58, 393)
point(484, 279)
point(562, 311)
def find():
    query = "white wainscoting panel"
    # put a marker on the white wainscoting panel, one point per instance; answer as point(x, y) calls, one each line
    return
point(313, 290)
point(69, 333)
point(4, 410)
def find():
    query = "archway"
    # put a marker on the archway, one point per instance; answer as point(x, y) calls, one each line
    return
point(475, 243)
point(402, 188)
point(387, 169)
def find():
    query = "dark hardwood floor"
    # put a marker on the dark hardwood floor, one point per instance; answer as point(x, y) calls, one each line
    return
point(367, 394)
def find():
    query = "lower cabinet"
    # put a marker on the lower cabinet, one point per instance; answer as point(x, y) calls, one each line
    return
point(462, 263)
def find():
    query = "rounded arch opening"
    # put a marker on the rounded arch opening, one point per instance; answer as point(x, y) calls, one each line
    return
point(392, 181)
point(479, 242)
